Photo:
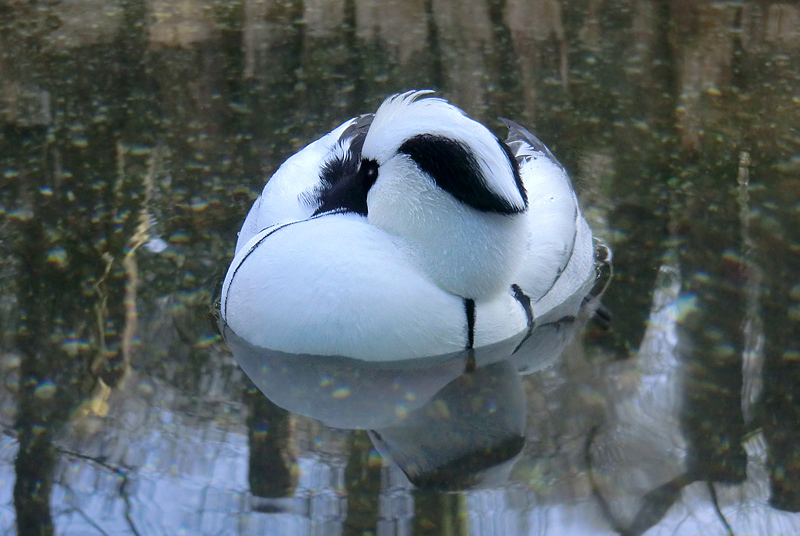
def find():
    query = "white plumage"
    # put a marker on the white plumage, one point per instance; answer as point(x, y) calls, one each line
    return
point(408, 233)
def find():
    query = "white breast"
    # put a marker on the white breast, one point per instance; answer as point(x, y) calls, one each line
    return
point(336, 285)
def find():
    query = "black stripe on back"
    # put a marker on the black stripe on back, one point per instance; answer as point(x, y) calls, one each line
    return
point(469, 309)
point(525, 301)
point(455, 169)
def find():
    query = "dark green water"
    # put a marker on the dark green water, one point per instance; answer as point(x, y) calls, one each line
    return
point(134, 134)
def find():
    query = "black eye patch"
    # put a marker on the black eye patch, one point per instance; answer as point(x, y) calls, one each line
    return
point(346, 185)
point(339, 168)
point(344, 179)
point(455, 169)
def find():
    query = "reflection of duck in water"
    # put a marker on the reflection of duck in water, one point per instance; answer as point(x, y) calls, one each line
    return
point(444, 427)
point(407, 233)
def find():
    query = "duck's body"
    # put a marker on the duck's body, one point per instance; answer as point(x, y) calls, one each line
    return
point(408, 233)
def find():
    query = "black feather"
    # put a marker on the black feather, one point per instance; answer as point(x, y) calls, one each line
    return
point(344, 181)
point(455, 168)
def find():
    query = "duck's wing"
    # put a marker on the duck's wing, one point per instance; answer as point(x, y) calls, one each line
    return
point(293, 190)
point(558, 256)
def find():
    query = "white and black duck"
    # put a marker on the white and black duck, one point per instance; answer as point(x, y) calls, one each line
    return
point(410, 232)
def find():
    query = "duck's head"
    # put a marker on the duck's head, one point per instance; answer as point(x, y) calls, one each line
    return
point(447, 187)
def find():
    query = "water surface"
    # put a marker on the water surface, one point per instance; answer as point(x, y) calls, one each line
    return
point(134, 134)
